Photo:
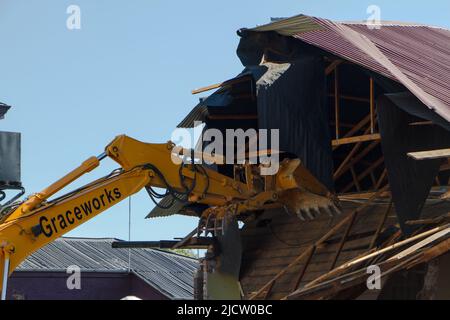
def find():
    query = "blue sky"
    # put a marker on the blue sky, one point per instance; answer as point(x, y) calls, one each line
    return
point(130, 70)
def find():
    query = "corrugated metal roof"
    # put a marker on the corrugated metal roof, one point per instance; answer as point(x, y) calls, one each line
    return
point(415, 55)
point(172, 207)
point(167, 272)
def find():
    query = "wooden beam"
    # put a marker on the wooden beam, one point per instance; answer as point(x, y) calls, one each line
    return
point(436, 220)
point(356, 128)
point(344, 239)
point(349, 158)
point(445, 166)
point(356, 139)
point(359, 260)
point(380, 226)
point(332, 66)
point(396, 245)
point(350, 161)
point(381, 179)
point(188, 237)
point(220, 85)
point(329, 288)
point(364, 174)
point(324, 238)
point(350, 98)
point(432, 154)
point(305, 266)
point(372, 106)
point(336, 101)
point(355, 179)
point(269, 289)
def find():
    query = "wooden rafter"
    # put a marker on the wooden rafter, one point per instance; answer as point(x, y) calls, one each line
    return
point(355, 129)
point(305, 266)
point(372, 106)
point(317, 244)
point(350, 224)
point(380, 226)
point(221, 85)
point(356, 139)
point(381, 179)
point(332, 66)
point(364, 174)
point(336, 101)
point(350, 160)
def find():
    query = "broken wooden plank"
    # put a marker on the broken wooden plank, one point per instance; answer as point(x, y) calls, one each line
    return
point(220, 85)
point(351, 263)
point(395, 246)
point(356, 139)
point(324, 238)
point(420, 244)
point(431, 154)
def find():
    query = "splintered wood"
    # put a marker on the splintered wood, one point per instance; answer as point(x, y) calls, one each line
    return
point(337, 260)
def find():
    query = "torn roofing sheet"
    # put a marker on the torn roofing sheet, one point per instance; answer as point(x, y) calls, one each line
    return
point(416, 56)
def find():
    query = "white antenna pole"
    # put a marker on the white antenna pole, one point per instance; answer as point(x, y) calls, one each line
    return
point(129, 233)
point(5, 275)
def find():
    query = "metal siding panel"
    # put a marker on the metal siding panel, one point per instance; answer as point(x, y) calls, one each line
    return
point(9, 157)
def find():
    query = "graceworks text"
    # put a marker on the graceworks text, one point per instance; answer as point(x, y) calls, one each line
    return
point(63, 220)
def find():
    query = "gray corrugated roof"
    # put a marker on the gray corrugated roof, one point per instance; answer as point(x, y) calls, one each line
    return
point(170, 273)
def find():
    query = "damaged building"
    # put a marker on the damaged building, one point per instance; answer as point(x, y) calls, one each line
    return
point(366, 109)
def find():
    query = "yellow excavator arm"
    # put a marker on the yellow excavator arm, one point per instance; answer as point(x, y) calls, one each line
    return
point(28, 226)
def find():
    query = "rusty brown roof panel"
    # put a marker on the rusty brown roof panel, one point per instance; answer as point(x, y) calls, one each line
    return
point(415, 55)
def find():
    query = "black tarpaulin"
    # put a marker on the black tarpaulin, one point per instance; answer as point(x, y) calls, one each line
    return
point(410, 180)
point(409, 103)
point(291, 97)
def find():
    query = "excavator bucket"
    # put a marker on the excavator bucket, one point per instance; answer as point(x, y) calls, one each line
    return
point(310, 197)
point(307, 205)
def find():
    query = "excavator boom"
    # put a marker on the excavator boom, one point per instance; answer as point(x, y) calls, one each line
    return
point(25, 227)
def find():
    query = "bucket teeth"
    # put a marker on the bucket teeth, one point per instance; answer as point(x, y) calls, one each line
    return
point(308, 206)
point(300, 215)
